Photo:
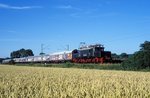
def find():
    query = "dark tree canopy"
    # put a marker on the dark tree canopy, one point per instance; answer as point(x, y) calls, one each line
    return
point(145, 46)
point(42, 53)
point(1, 59)
point(123, 55)
point(21, 53)
point(141, 58)
point(114, 55)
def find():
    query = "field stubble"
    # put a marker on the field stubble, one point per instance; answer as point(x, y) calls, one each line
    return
point(39, 82)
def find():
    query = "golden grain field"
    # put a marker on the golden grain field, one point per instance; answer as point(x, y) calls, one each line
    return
point(40, 82)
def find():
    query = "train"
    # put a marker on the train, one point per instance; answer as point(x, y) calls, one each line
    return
point(85, 54)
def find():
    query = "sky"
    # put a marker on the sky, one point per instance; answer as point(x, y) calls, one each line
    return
point(120, 25)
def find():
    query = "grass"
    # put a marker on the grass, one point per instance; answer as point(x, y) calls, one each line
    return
point(108, 66)
point(42, 82)
point(82, 66)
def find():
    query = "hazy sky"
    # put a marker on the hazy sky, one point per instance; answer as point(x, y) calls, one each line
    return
point(120, 25)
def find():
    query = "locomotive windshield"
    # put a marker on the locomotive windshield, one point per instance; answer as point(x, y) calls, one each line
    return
point(75, 51)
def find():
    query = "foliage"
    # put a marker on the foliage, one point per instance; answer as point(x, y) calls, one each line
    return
point(114, 55)
point(40, 82)
point(21, 53)
point(81, 66)
point(121, 56)
point(145, 46)
point(140, 59)
point(42, 53)
point(1, 59)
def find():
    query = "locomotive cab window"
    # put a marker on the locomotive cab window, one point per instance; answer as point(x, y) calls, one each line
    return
point(99, 49)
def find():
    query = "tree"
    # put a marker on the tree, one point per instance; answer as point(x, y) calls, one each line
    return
point(15, 54)
point(145, 46)
point(145, 53)
point(123, 56)
point(140, 59)
point(1, 59)
point(21, 53)
point(114, 55)
point(29, 52)
point(42, 53)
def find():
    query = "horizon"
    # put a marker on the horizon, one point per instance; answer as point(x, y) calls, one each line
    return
point(121, 26)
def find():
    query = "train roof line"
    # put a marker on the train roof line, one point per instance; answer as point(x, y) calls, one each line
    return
point(62, 52)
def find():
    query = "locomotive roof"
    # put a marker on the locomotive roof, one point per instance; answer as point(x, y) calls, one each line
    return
point(90, 46)
point(86, 48)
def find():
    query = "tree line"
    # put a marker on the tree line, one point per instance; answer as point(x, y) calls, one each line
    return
point(122, 56)
point(21, 53)
point(140, 59)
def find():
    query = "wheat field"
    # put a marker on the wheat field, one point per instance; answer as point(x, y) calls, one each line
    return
point(41, 82)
